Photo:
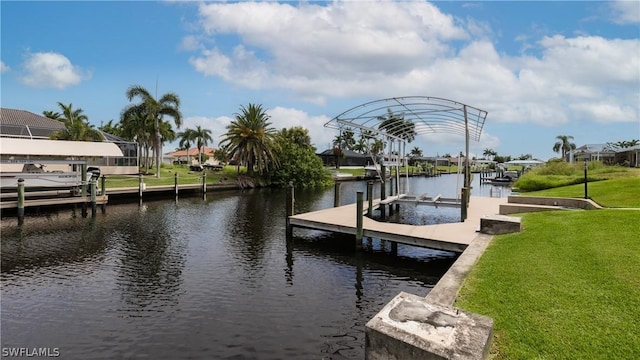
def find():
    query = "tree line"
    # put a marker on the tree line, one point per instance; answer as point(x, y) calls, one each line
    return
point(276, 157)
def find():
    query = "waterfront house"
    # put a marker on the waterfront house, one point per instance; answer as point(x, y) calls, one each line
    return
point(22, 124)
point(180, 156)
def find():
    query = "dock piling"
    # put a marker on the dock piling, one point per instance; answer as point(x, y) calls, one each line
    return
point(290, 209)
point(383, 190)
point(140, 186)
point(204, 183)
point(336, 194)
point(463, 206)
point(20, 201)
point(175, 183)
point(359, 218)
point(370, 198)
point(94, 190)
point(103, 192)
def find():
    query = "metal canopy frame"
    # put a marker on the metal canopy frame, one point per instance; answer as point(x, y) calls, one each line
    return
point(429, 115)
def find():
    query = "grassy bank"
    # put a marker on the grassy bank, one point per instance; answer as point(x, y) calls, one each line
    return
point(227, 175)
point(568, 286)
point(617, 192)
point(557, 174)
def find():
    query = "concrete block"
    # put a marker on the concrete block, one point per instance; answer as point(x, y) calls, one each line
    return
point(500, 224)
point(410, 327)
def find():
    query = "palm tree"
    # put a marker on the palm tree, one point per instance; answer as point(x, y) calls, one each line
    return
point(416, 152)
point(251, 140)
point(154, 109)
point(361, 146)
point(187, 137)
point(77, 125)
point(112, 129)
point(139, 127)
point(377, 147)
point(564, 144)
point(396, 125)
point(202, 137)
point(51, 114)
point(345, 140)
point(489, 152)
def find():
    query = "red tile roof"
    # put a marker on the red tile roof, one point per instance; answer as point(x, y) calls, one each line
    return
point(193, 152)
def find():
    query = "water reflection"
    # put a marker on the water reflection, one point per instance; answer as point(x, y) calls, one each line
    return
point(212, 278)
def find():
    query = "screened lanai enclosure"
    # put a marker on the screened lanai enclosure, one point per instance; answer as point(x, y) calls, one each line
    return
point(393, 122)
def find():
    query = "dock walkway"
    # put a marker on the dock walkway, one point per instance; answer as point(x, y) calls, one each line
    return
point(450, 237)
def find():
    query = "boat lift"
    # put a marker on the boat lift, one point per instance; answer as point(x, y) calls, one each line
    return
point(427, 115)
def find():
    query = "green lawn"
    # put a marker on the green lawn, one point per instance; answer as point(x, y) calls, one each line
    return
point(167, 177)
point(568, 286)
point(617, 192)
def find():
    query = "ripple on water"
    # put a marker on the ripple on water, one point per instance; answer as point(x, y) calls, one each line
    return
point(196, 279)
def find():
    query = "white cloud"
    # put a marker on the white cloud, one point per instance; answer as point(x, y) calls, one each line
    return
point(49, 69)
point(625, 11)
point(287, 117)
point(4, 67)
point(356, 50)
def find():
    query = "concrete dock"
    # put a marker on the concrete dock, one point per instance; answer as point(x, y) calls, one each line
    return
point(450, 237)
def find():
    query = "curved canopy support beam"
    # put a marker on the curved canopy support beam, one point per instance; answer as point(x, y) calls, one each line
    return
point(428, 114)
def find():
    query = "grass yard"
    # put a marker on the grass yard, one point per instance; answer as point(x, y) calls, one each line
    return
point(568, 286)
point(617, 192)
point(167, 177)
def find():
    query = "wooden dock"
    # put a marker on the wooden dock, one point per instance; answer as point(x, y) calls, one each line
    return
point(53, 201)
point(449, 237)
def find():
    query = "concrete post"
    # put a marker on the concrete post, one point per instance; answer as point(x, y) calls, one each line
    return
point(175, 183)
point(359, 218)
point(204, 183)
point(140, 186)
point(20, 201)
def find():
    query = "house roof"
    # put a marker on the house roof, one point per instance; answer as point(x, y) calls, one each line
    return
point(21, 123)
point(347, 153)
point(595, 148)
point(192, 152)
point(40, 147)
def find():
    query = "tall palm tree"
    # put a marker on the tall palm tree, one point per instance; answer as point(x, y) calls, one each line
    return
point(154, 109)
point(77, 125)
point(187, 138)
point(250, 139)
point(564, 144)
point(202, 137)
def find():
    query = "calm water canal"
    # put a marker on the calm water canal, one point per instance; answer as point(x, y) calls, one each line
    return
point(205, 279)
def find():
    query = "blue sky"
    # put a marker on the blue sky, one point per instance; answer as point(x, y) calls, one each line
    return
point(540, 69)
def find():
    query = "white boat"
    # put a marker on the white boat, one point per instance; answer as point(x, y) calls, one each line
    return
point(373, 171)
point(36, 178)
